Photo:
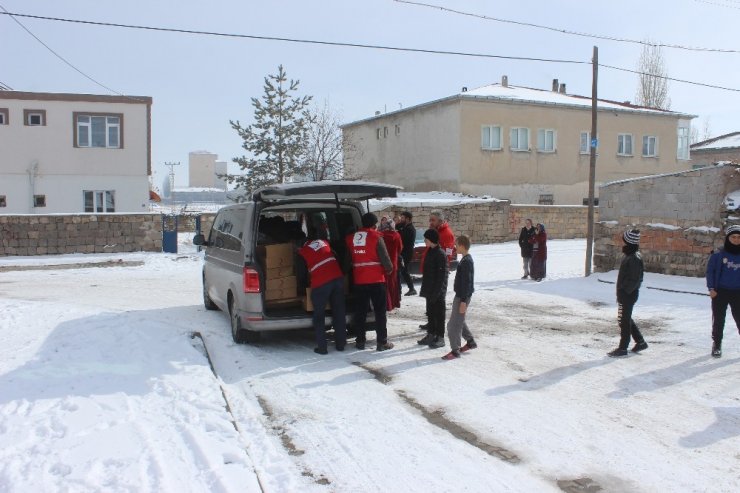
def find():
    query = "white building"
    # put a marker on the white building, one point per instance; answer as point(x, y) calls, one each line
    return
point(68, 153)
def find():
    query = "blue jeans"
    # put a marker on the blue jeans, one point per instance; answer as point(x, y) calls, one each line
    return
point(334, 291)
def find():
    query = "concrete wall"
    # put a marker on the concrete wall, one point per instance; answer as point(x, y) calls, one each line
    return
point(681, 217)
point(84, 233)
point(708, 157)
point(45, 160)
point(499, 221)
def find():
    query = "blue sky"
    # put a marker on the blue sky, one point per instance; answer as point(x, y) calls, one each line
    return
point(198, 83)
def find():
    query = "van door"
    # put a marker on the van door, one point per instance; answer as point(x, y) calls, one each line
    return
point(224, 257)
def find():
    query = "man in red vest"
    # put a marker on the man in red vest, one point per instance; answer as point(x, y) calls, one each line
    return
point(446, 236)
point(370, 265)
point(327, 284)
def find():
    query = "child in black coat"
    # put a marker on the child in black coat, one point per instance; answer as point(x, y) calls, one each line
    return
point(434, 289)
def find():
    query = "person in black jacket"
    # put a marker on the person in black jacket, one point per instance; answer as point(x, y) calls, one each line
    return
point(464, 279)
point(525, 246)
point(434, 289)
point(406, 229)
point(629, 280)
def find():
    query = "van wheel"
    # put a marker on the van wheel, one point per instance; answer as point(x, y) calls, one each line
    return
point(207, 301)
point(238, 333)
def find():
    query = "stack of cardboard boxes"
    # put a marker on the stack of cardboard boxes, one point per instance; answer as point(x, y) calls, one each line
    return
point(280, 279)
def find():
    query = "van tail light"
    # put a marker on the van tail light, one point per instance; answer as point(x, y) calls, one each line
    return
point(251, 280)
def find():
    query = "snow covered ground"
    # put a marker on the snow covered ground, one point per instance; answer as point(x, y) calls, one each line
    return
point(103, 388)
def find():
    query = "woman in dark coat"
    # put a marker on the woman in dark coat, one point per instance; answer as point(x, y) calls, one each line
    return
point(525, 246)
point(538, 269)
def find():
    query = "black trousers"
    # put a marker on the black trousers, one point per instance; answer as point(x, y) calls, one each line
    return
point(365, 293)
point(403, 271)
point(436, 315)
point(627, 326)
point(719, 311)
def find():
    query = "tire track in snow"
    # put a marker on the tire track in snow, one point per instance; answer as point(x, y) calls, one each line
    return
point(438, 418)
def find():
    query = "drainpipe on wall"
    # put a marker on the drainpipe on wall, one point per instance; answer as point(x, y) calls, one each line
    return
point(33, 172)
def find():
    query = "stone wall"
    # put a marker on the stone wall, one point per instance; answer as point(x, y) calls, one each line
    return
point(80, 233)
point(499, 221)
point(681, 217)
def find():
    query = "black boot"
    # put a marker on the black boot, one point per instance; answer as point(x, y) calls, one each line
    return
point(717, 349)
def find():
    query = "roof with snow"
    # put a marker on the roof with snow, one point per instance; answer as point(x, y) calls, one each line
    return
point(527, 95)
point(727, 141)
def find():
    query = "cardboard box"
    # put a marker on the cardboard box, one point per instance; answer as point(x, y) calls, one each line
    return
point(272, 294)
point(278, 272)
point(279, 255)
point(283, 283)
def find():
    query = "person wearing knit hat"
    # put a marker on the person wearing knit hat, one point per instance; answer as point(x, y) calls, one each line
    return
point(723, 282)
point(629, 280)
point(434, 288)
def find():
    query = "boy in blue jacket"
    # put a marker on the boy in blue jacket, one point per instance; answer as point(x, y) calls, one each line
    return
point(723, 282)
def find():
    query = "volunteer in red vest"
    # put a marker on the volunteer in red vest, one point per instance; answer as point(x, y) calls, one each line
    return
point(327, 284)
point(370, 265)
point(446, 236)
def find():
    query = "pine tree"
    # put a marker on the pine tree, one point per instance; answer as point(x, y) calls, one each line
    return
point(276, 141)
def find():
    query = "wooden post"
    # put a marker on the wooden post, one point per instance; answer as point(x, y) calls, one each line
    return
point(592, 163)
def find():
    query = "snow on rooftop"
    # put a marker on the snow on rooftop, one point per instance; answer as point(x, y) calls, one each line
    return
point(526, 94)
point(421, 199)
point(721, 142)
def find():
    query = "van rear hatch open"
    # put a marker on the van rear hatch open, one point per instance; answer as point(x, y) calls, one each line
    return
point(337, 190)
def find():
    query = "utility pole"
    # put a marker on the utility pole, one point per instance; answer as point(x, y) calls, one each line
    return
point(172, 165)
point(592, 163)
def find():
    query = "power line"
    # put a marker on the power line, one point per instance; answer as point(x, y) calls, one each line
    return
point(13, 16)
point(702, 84)
point(566, 31)
point(294, 40)
point(356, 45)
point(5, 87)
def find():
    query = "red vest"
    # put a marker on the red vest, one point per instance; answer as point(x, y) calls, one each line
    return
point(321, 263)
point(366, 266)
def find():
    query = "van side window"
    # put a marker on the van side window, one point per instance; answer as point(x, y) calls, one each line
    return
point(228, 230)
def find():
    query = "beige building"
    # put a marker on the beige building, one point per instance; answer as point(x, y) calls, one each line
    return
point(63, 153)
point(205, 171)
point(526, 145)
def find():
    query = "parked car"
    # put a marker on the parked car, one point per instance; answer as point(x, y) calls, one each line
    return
point(248, 267)
point(414, 266)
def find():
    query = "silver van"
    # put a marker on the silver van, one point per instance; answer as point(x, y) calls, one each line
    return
point(249, 264)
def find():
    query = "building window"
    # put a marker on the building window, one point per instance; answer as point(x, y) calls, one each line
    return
point(546, 140)
point(519, 139)
point(34, 118)
point(398, 130)
point(546, 199)
point(490, 137)
point(94, 130)
point(624, 145)
point(3, 201)
point(385, 132)
point(650, 146)
point(3, 116)
point(377, 133)
point(596, 201)
point(39, 200)
point(683, 143)
point(99, 200)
